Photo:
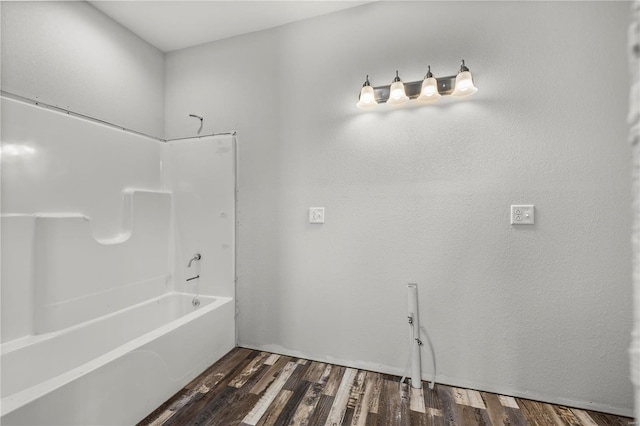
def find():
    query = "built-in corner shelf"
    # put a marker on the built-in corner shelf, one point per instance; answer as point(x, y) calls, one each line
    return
point(72, 276)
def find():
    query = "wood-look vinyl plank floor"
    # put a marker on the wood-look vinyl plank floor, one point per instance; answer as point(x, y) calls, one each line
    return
point(252, 388)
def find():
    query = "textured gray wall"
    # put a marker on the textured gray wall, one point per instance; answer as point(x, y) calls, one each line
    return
point(634, 139)
point(69, 54)
point(422, 194)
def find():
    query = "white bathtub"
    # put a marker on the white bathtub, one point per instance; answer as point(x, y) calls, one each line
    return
point(116, 369)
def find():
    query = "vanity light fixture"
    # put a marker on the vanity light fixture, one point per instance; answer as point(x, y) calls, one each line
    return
point(397, 95)
point(367, 99)
point(429, 92)
point(464, 83)
point(426, 91)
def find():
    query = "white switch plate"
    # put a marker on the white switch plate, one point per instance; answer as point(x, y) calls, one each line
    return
point(316, 214)
point(522, 214)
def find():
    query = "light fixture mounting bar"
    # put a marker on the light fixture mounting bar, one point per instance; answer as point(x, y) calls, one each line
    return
point(412, 89)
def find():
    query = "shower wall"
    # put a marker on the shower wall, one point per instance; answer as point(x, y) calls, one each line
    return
point(422, 194)
point(62, 172)
point(96, 219)
point(201, 176)
point(106, 309)
point(53, 163)
point(89, 225)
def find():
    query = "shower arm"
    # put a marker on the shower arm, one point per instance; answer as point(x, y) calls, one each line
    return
point(198, 117)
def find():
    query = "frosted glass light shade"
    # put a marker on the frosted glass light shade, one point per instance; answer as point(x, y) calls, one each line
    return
point(464, 85)
point(429, 92)
point(367, 98)
point(397, 95)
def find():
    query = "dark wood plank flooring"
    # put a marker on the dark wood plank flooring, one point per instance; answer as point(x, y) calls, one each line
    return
point(252, 388)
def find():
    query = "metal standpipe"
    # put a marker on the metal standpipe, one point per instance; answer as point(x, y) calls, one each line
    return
point(414, 324)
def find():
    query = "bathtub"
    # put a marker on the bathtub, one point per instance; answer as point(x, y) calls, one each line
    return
point(115, 369)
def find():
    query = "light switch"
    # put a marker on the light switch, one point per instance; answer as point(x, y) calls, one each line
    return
point(522, 214)
point(316, 214)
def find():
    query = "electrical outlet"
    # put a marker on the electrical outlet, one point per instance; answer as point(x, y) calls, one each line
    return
point(316, 214)
point(522, 214)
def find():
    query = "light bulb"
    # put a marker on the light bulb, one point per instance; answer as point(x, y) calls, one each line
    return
point(429, 91)
point(464, 83)
point(397, 95)
point(367, 98)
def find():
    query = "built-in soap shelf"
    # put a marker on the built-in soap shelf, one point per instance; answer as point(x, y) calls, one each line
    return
point(127, 215)
point(69, 276)
point(128, 196)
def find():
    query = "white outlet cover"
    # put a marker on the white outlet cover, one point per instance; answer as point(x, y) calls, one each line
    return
point(522, 214)
point(316, 214)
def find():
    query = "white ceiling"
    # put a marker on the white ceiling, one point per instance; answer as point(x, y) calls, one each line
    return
point(172, 25)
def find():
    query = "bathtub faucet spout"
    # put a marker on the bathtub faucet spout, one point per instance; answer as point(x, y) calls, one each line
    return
point(195, 257)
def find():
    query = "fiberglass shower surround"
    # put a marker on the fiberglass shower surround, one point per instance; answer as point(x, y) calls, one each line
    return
point(98, 225)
